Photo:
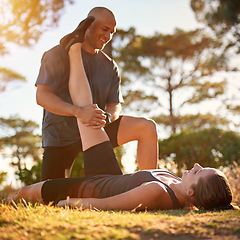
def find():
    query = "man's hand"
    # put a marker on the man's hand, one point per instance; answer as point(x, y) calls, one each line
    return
point(91, 115)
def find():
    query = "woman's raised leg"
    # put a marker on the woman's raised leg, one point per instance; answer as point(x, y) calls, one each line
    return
point(99, 157)
point(81, 96)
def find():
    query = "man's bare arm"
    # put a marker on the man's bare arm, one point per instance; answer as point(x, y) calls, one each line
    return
point(114, 109)
point(90, 114)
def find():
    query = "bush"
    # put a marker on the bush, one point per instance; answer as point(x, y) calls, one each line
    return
point(208, 147)
point(233, 172)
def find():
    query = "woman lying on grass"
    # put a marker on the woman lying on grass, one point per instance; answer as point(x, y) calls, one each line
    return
point(106, 188)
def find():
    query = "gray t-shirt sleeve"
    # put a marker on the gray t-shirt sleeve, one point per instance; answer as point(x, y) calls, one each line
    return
point(54, 69)
point(115, 94)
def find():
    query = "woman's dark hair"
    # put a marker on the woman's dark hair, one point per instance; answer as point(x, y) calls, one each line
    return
point(213, 193)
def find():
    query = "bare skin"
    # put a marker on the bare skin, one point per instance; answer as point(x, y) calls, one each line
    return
point(100, 32)
point(90, 114)
point(151, 196)
point(31, 193)
point(78, 83)
point(146, 195)
point(145, 133)
point(131, 128)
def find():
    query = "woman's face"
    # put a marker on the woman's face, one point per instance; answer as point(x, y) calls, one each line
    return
point(191, 177)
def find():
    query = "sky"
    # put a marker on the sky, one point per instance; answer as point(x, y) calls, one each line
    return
point(147, 17)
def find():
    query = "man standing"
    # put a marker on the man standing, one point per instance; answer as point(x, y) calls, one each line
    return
point(60, 134)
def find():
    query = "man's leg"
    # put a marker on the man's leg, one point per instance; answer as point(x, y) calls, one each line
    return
point(145, 133)
point(58, 161)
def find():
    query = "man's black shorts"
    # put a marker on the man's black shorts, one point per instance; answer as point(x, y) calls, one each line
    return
point(58, 161)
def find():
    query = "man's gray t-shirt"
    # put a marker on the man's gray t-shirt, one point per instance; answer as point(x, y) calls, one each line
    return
point(104, 80)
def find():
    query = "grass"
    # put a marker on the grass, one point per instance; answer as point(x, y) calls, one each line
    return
point(25, 221)
point(48, 222)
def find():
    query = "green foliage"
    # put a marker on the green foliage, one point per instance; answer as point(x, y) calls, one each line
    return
point(208, 147)
point(30, 176)
point(166, 67)
point(223, 16)
point(220, 14)
point(119, 152)
point(24, 21)
point(20, 143)
point(78, 166)
point(7, 75)
point(3, 176)
point(194, 122)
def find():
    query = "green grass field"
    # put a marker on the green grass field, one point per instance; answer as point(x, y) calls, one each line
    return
point(47, 222)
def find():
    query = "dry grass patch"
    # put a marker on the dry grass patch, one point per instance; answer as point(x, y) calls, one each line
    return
point(46, 222)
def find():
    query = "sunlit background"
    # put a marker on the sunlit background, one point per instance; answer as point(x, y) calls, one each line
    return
point(147, 17)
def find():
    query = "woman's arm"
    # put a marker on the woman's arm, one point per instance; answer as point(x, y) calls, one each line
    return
point(149, 196)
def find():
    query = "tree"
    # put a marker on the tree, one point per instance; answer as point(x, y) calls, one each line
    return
point(6, 76)
point(22, 22)
point(223, 16)
point(208, 147)
point(20, 143)
point(172, 71)
point(194, 121)
point(78, 166)
point(32, 175)
point(3, 176)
